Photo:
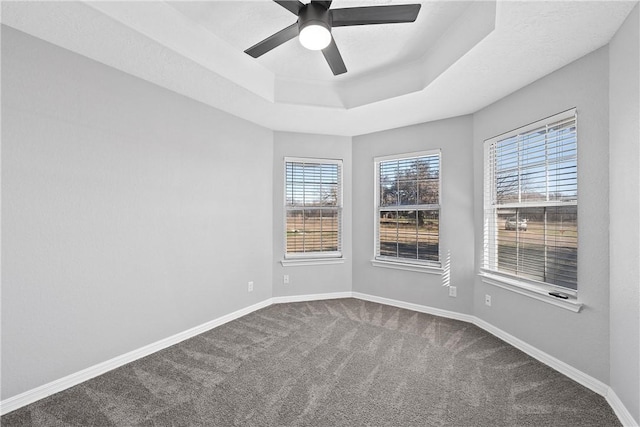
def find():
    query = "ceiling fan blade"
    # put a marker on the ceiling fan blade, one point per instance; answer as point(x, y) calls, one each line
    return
point(292, 6)
point(334, 59)
point(325, 3)
point(273, 41)
point(374, 15)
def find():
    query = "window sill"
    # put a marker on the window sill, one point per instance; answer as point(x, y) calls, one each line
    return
point(430, 269)
point(297, 262)
point(571, 304)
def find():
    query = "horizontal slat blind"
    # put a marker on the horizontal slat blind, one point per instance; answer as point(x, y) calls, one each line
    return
point(313, 207)
point(409, 208)
point(537, 166)
point(531, 195)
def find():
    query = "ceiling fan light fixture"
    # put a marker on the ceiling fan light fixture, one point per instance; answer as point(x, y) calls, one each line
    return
point(315, 22)
point(315, 37)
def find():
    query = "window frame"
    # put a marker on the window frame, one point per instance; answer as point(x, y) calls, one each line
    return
point(488, 270)
point(318, 257)
point(425, 266)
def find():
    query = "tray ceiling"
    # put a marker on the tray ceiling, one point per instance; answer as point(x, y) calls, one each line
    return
point(458, 56)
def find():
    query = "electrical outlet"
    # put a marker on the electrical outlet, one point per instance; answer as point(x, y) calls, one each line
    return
point(487, 300)
point(453, 291)
point(285, 279)
point(250, 287)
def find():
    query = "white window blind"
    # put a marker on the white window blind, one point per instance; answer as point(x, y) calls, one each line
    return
point(408, 208)
point(531, 202)
point(313, 192)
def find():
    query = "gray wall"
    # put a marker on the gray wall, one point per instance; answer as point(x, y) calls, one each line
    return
point(624, 211)
point(579, 339)
point(129, 213)
point(306, 280)
point(453, 137)
point(126, 212)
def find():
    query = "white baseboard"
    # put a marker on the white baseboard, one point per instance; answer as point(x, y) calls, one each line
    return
point(621, 411)
point(414, 307)
point(61, 384)
point(560, 366)
point(311, 297)
point(565, 369)
point(557, 364)
point(33, 395)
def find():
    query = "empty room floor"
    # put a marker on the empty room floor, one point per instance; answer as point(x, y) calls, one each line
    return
point(327, 363)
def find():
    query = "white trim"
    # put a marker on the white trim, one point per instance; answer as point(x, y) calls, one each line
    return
point(310, 297)
point(61, 384)
point(570, 304)
point(571, 112)
point(557, 364)
point(313, 160)
point(76, 378)
point(338, 208)
point(404, 156)
point(414, 307)
point(399, 265)
point(492, 205)
point(620, 410)
point(560, 366)
point(525, 283)
point(296, 262)
point(377, 208)
point(536, 204)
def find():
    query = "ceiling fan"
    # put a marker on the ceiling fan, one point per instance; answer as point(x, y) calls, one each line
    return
point(316, 19)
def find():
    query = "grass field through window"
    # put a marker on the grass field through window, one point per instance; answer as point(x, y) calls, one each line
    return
point(316, 232)
point(409, 234)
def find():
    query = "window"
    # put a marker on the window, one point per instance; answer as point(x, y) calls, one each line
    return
point(531, 204)
point(408, 208)
point(313, 193)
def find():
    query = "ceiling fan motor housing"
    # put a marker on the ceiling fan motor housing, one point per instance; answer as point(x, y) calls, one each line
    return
point(314, 14)
point(315, 20)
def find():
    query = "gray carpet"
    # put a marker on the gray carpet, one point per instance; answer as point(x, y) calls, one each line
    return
point(341, 362)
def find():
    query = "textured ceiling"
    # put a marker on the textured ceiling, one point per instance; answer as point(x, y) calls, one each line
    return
point(455, 59)
point(365, 49)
